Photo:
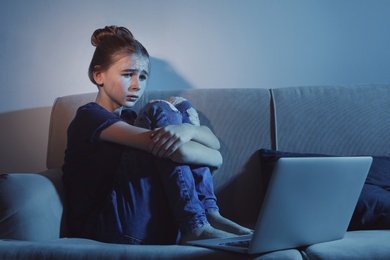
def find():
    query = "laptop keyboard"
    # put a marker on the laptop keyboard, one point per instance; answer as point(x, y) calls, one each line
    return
point(243, 243)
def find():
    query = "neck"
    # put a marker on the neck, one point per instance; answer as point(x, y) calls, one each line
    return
point(107, 103)
point(118, 111)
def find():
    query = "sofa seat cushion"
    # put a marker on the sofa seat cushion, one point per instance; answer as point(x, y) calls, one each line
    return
point(77, 248)
point(367, 244)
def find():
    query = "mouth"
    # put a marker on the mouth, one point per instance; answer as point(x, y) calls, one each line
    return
point(132, 98)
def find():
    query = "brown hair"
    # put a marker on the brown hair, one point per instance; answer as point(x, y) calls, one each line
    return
point(109, 42)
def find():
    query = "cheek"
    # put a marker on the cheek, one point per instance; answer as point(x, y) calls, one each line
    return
point(124, 82)
point(143, 83)
point(142, 88)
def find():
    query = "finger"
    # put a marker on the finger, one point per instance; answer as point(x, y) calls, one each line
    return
point(155, 133)
point(168, 145)
point(172, 148)
point(160, 145)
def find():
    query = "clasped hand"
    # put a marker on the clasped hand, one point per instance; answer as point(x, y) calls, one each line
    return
point(166, 140)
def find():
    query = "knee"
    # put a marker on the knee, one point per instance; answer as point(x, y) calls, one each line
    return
point(156, 106)
point(162, 104)
point(176, 100)
point(158, 113)
point(180, 103)
point(189, 113)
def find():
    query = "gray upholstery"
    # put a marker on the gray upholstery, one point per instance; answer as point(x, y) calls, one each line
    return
point(84, 249)
point(332, 120)
point(30, 207)
point(371, 244)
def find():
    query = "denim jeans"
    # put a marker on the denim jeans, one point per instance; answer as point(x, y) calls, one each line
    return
point(154, 200)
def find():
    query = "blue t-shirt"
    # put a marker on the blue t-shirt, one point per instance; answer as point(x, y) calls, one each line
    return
point(90, 163)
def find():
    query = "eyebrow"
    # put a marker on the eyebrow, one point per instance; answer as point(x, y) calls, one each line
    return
point(135, 70)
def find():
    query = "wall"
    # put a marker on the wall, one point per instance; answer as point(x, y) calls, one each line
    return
point(45, 51)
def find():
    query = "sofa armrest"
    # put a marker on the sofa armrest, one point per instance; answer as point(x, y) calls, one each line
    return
point(31, 206)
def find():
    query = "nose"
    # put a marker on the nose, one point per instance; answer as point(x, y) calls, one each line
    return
point(135, 84)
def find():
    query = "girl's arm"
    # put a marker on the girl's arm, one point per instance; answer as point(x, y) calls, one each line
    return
point(200, 134)
point(177, 142)
point(196, 153)
point(128, 135)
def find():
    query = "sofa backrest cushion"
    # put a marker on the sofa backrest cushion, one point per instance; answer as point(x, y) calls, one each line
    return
point(333, 119)
point(30, 207)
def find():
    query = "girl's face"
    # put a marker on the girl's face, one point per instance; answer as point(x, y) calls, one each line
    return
point(123, 83)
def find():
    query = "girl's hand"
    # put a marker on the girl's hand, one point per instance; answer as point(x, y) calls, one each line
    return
point(166, 140)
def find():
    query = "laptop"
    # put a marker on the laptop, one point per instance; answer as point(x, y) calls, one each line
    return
point(308, 201)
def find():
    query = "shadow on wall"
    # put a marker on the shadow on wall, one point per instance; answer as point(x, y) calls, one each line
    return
point(164, 77)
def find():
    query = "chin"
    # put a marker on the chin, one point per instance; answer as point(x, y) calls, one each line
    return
point(129, 104)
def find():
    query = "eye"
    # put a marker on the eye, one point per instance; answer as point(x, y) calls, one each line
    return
point(127, 75)
point(143, 77)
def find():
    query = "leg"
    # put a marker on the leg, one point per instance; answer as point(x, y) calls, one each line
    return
point(203, 178)
point(202, 175)
point(178, 180)
point(136, 191)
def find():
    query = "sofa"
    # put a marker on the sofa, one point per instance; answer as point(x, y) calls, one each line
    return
point(328, 120)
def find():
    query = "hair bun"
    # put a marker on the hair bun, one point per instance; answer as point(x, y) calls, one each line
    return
point(101, 34)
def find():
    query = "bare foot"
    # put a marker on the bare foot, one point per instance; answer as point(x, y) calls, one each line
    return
point(222, 223)
point(205, 232)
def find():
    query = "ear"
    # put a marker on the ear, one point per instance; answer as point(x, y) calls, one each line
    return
point(98, 75)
